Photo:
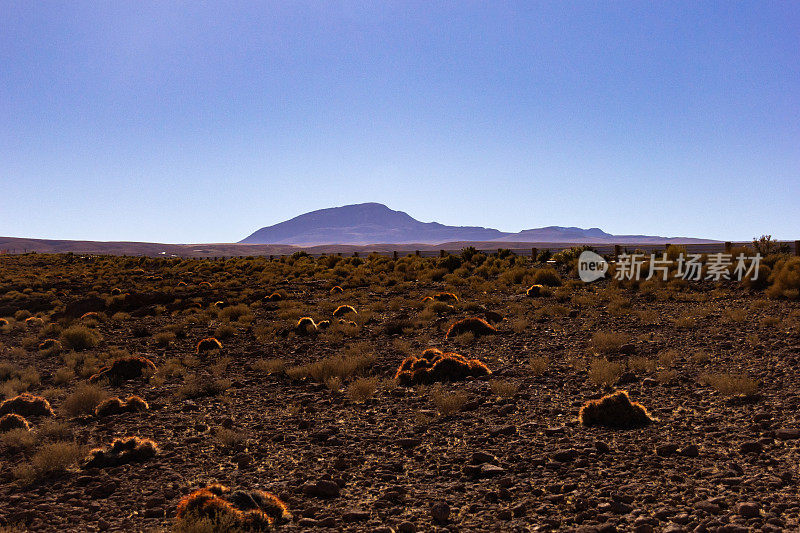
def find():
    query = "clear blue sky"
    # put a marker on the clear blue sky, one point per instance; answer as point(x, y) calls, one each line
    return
point(201, 122)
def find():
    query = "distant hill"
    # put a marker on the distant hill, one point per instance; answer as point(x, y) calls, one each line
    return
point(374, 223)
point(365, 224)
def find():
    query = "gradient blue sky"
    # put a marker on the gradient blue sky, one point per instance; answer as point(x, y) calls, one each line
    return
point(201, 122)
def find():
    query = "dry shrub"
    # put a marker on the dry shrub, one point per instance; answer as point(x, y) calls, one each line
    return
point(546, 276)
point(607, 342)
point(13, 421)
point(362, 389)
point(731, 384)
point(27, 405)
point(435, 366)
point(519, 325)
point(448, 403)
point(641, 364)
point(666, 376)
point(124, 369)
point(614, 411)
point(538, 364)
point(235, 312)
point(84, 400)
point(535, 290)
point(334, 384)
point(604, 372)
point(16, 440)
point(216, 508)
point(79, 338)
point(207, 345)
point(52, 458)
point(195, 386)
point(224, 331)
point(50, 346)
point(228, 438)
point(270, 366)
point(737, 316)
point(685, 322)
point(785, 279)
point(164, 338)
point(305, 326)
point(116, 405)
point(667, 357)
point(122, 451)
point(277, 296)
point(341, 366)
point(476, 326)
point(343, 310)
point(504, 389)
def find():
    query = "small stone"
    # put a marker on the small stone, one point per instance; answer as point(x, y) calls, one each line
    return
point(495, 431)
point(628, 348)
point(355, 516)
point(504, 514)
point(709, 507)
point(157, 512)
point(748, 510)
point(787, 434)
point(689, 451)
point(307, 522)
point(489, 470)
point(406, 527)
point(440, 512)
point(565, 456)
point(478, 458)
point(665, 450)
point(602, 447)
point(321, 489)
point(750, 446)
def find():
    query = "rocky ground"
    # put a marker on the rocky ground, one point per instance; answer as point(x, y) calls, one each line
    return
point(511, 456)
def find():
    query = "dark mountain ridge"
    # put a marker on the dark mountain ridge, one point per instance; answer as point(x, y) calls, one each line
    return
point(373, 223)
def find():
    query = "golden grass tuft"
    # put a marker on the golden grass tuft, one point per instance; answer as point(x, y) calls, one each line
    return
point(122, 451)
point(116, 405)
point(217, 508)
point(207, 345)
point(343, 310)
point(476, 326)
point(614, 411)
point(27, 405)
point(13, 421)
point(435, 366)
point(125, 369)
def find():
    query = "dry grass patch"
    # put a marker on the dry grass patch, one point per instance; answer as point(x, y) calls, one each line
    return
point(270, 366)
point(731, 384)
point(448, 403)
point(362, 389)
point(607, 342)
point(538, 364)
point(51, 459)
point(84, 399)
point(504, 389)
point(603, 372)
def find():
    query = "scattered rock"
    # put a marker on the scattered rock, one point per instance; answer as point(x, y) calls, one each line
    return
point(440, 512)
point(748, 509)
point(322, 488)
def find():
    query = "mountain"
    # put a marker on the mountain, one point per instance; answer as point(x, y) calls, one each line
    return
point(368, 223)
point(374, 223)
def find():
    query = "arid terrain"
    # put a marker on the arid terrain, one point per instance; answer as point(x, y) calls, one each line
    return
point(313, 413)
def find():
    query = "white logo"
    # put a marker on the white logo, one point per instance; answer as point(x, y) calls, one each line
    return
point(591, 266)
